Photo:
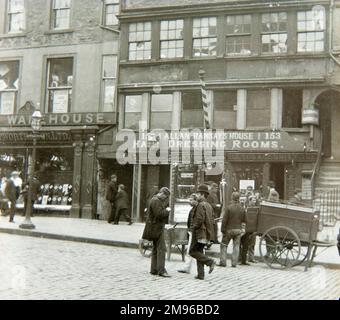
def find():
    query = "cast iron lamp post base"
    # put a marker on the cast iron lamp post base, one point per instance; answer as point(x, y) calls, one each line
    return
point(27, 224)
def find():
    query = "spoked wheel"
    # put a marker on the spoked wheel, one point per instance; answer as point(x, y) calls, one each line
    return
point(280, 247)
point(145, 248)
point(303, 254)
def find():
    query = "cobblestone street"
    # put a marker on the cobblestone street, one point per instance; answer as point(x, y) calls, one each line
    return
point(34, 268)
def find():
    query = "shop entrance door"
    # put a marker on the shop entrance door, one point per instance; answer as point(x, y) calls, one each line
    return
point(277, 174)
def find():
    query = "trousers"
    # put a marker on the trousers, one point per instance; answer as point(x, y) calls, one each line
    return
point(123, 212)
point(235, 235)
point(158, 255)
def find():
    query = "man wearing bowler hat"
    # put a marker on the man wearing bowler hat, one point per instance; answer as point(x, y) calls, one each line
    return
point(203, 232)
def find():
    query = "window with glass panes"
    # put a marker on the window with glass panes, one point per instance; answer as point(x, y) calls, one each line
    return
point(204, 37)
point(161, 111)
point(61, 10)
point(16, 15)
point(60, 83)
point(238, 29)
point(111, 10)
point(274, 32)
point(224, 109)
point(9, 85)
point(311, 30)
point(140, 41)
point(109, 83)
point(258, 108)
point(172, 43)
point(192, 110)
point(133, 111)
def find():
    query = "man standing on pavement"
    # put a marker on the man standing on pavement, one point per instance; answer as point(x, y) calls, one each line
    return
point(203, 232)
point(213, 201)
point(12, 193)
point(233, 226)
point(34, 194)
point(122, 205)
point(111, 194)
point(158, 215)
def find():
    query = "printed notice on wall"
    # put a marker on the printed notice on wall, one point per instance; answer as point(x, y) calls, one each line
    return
point(7, 103)
point(60, 101)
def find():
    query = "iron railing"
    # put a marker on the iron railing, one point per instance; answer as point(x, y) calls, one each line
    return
point(328, 203)
point(317, 164)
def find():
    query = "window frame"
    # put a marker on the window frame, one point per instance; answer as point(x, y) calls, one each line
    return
point(105, 12)
point(136, 42)
point(200, 109)
point(12, 90)
point(105, 79)
point(48, 88)
point(8, 18)
point(201, 38)
point(165, 112)
point(235, 35)
point(314, 31)
point(270, 33)
point(169, 40)
point(136, 128)
point(53, 19)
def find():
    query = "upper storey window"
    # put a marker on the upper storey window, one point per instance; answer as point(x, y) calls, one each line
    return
point(16, 16)
point(238, 30)
point(204, 37)
point(140, 41)
point(111, 10)
point(9, 85)
point(311, 30)
point(274, 32)
point(61, 10)
point(172, 43)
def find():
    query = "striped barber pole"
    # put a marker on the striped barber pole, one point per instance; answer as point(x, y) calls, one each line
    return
point(205, 101)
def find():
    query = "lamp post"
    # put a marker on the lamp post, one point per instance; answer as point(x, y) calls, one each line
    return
point(36, 127)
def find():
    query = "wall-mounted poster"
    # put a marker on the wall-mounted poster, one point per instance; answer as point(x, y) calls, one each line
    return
point(60, 101)
point(246, 183)
point(7, 103)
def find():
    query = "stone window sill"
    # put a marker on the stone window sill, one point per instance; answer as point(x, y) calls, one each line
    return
point(13, 35)
point(51, 32)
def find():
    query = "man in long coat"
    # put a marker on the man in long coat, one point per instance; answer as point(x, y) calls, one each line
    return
point(122, 205)
point(202, 232)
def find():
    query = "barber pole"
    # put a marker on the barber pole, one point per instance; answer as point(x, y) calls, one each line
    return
point(205, 101)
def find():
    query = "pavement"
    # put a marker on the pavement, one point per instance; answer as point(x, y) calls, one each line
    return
point(46, 269)
point(122, 235)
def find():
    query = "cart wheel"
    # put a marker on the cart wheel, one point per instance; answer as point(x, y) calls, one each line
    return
point(280, 247)
point(145, 248)
point(303, 254)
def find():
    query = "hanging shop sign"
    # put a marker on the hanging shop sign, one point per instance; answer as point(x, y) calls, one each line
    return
point(62, 119)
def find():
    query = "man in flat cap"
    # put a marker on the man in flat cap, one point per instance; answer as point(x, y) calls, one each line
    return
point(157, 216)
point(202, 232)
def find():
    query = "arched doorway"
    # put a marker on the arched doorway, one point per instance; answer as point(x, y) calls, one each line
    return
point(328, 104)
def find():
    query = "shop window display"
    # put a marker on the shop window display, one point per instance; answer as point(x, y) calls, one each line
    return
point(186, 182)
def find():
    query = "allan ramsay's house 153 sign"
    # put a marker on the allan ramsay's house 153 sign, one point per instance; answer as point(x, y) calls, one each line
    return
point(161, 147)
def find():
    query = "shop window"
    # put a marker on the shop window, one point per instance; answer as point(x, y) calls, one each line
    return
point(61, 10)
point(238, 29)
point(204, 37)
point(186, 182)
point(161, 111)
point(311, 30)
point(111, 10)
point(258, 108)
point(109, 83)
point(16, 16)
point(224, 109)
point(60, 83)
point(274, 32)
point(9, 85)
point(140, 41)
point(133, 111)
point(292, 106)
point(172, 43)
point(192, 110)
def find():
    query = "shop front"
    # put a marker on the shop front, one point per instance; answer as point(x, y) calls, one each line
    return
point(65, 160)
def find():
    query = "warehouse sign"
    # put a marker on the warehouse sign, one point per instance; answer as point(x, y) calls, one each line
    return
point(62, 119)
point(17, 137)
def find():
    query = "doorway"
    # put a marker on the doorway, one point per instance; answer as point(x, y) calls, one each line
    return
point(277, 174)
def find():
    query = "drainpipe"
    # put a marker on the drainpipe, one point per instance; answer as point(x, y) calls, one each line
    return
point(331, 22)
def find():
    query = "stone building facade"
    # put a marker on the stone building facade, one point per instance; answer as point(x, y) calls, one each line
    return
point(271, 71)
